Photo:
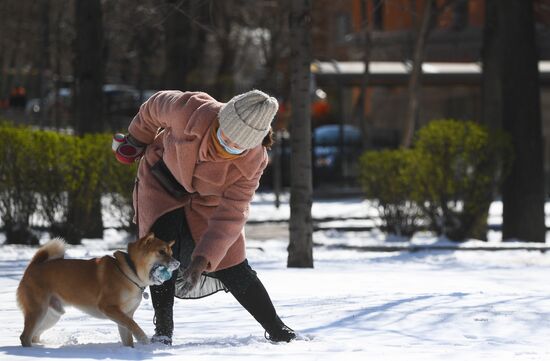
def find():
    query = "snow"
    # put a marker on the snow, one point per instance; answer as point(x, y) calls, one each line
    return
point(428, 305)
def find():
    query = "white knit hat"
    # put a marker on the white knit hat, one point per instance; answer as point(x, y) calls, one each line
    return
point(247, 117)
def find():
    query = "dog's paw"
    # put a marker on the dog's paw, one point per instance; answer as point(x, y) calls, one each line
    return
point(25, 341)
point(144, 340)
point(129, 343)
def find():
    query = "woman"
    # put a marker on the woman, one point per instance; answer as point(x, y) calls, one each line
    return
point(201, 162)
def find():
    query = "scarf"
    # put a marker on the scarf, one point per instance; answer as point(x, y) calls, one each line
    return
point(215, 149)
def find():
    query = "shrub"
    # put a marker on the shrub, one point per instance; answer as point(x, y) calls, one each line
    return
point(17, 182)
point(72, 207)
point(385, 177)
point(459, 166)
point(61, 180)
point(446, 181)
point(55, 172)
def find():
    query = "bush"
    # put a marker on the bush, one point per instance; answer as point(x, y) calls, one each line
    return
point(55, 170)
point(59, 179)
point(17, 181)
point(385, 177)
point(458, 169)
point(83, 188)
point(451, 176)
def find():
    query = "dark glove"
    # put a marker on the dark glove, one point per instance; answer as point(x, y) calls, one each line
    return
point(127, 149)
point(190, 277)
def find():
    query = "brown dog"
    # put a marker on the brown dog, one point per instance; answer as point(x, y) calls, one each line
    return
point(106, 287)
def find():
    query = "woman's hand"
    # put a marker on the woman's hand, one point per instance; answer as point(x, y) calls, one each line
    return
point(127, 149)
point(190, 277)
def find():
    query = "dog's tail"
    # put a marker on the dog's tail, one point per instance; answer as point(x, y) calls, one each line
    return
point(54, 249)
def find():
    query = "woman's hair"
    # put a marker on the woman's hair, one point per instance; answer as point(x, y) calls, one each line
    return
point(268, 139)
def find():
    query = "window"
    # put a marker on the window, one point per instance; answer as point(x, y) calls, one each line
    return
point(460, 15)
point(343, 27)
point(378, 14)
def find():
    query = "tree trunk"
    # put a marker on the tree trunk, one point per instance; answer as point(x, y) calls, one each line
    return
point(13, 74)
point(225, 23)
point(416, 73)
point(56, 113)
point(523, 191)
point(89, 67)
point(491, 92)
point(176, 28)
point(44, 61)
point(225, 85)
point(3, 45)
point(361, 100)
point(301, 242)
point(89, 71)
point(183, 42)
point(491, 86)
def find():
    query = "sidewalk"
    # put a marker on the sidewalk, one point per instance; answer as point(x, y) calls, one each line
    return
point(352, 223)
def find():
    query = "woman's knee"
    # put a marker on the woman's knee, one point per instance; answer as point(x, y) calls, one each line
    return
point(238, 278)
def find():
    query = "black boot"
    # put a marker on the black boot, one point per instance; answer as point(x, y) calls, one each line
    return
point(255, 299)
point(164, 326)
point(162, 297)
point(170, 226)
point(277, 331)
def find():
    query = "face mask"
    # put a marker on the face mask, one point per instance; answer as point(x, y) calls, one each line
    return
point(229, 149)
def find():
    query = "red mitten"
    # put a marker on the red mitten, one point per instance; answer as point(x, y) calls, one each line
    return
point(127, 149)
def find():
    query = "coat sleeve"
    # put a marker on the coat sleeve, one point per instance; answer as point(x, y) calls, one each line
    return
point(227, 222)
point(156, 113)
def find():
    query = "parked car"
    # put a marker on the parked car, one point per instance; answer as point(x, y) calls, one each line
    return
point(331, 163)
point(120, 103)
point(33, 109)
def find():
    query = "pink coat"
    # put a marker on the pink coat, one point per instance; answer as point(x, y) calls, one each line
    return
point(218, 209)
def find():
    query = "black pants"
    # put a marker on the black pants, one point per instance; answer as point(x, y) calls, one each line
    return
point(241, 280)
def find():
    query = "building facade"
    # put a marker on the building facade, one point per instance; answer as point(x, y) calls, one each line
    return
point(455, 39)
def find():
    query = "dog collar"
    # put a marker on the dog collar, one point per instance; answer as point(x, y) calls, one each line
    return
point(130, 262)
point(132, 266)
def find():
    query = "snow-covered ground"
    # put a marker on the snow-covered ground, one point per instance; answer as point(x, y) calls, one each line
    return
point(433, 305)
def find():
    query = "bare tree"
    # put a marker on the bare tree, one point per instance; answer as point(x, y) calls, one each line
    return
point(273, 17)
point(3, 44)
point(431, 12)
point(196, 23)
point(511, 96)
point(359, 109)
point(301, 228)
point(416, 72)
point(89, 74)
point(62, 53)
point(44, 61)
point(184, 40)
point(89, 67)
point(491, 80)
point(15, 27)
point(225, 19)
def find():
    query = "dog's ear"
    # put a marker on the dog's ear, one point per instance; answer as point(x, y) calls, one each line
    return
point(149, 237)
point(171, 243)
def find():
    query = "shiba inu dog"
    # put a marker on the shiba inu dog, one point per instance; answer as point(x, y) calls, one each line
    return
point(107, 287)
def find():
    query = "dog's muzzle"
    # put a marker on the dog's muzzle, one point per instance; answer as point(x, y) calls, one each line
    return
point(161, 273)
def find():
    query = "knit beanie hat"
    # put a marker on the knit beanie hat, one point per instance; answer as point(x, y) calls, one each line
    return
point(246, 118)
